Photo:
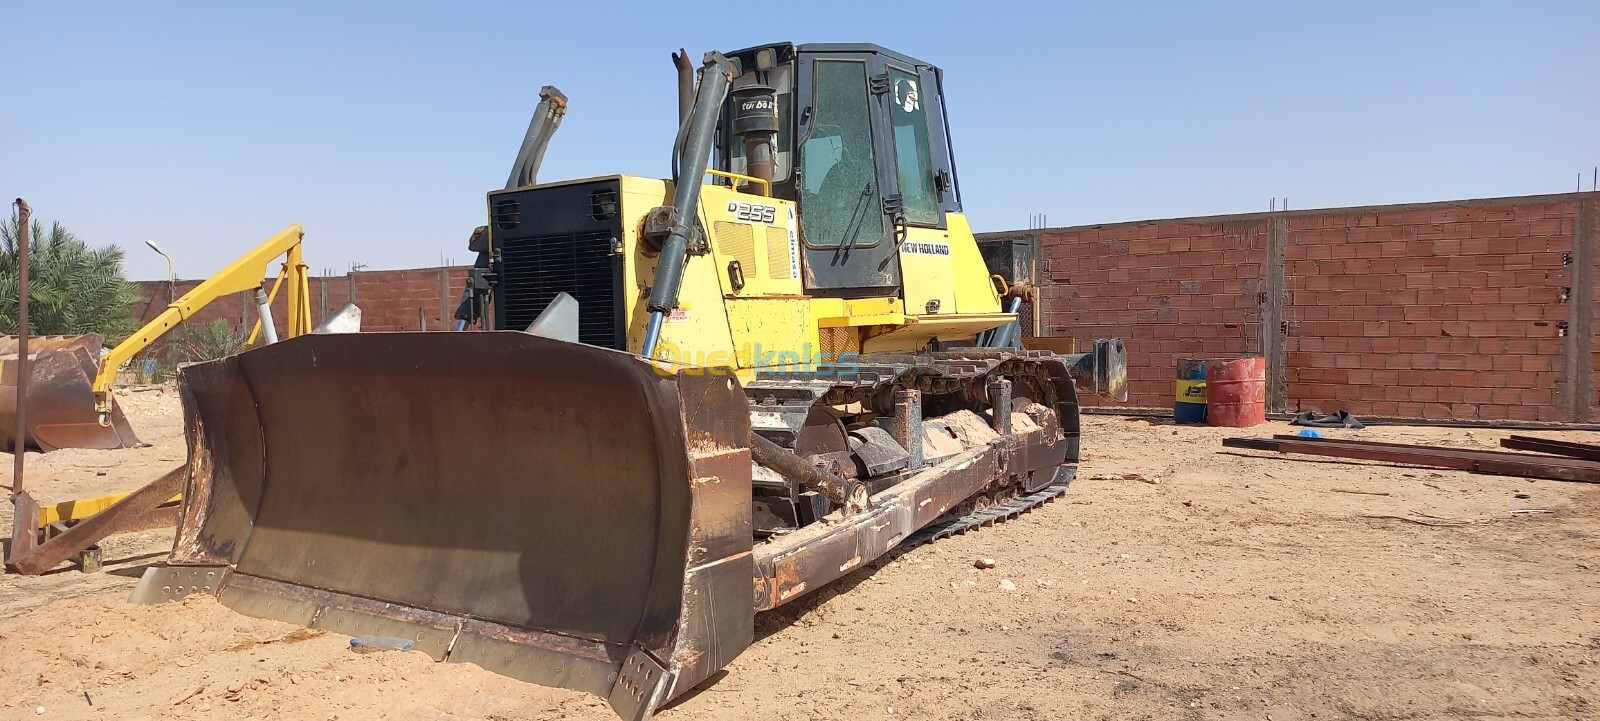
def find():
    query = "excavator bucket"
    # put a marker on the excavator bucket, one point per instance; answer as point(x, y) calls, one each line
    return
point(60, 396)
point(563, 514)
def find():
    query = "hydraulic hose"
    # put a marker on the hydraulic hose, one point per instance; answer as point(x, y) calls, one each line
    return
point(699, 137)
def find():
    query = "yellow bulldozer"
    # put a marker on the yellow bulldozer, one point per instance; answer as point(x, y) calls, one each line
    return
point(675, 403)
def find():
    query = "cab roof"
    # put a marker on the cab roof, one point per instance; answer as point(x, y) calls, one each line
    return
point(835, 48)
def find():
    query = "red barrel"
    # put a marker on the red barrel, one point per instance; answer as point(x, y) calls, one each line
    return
point(1236, 392)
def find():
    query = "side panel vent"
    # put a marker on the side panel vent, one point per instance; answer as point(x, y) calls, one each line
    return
point(780, 257)
point(603, 205)
point(507, 214)
point(736, 241)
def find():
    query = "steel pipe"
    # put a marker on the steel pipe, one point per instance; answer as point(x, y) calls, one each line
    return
point(843, 492)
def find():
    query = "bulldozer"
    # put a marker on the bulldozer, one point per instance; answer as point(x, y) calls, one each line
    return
point(673, 404)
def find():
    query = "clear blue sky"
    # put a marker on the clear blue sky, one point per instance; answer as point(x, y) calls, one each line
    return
point(209, 126)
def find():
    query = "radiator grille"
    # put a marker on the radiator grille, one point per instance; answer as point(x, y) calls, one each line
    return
point(583, 265)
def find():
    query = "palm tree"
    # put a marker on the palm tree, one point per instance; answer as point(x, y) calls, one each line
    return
point(73, 289)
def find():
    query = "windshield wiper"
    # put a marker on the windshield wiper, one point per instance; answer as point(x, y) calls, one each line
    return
point(857, 219)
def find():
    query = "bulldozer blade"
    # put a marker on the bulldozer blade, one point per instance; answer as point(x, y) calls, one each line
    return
point(60, 397)
point(563, 514)
point(9, 344)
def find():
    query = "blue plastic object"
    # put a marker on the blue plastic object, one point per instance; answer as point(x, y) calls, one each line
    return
point(1309, 433)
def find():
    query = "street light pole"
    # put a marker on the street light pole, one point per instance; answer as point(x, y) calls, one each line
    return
point(172, 280)
point(172, 288)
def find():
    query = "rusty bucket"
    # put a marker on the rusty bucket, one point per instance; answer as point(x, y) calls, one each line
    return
point(60, 396)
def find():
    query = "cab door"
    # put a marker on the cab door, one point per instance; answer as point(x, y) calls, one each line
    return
point(845, 177)
point(922, 187)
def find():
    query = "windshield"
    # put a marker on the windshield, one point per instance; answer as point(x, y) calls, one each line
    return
point(839, 191)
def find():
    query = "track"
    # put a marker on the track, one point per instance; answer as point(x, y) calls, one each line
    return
point(994, 514)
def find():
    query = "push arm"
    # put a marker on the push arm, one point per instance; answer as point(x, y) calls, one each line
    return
point(243, 274)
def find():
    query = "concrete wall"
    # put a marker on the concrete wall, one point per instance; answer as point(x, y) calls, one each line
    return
point(1478, 309)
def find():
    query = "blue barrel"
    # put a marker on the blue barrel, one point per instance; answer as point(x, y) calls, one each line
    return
point(1189, 397)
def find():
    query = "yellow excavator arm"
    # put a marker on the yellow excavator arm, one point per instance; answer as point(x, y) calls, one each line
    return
point(243, 274)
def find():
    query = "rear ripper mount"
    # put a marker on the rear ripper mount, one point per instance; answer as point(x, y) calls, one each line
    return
point(628, 570)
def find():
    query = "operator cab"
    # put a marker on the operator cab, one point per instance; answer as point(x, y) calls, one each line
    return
point(861, 145)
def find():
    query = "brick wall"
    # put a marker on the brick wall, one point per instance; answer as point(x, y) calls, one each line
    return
point(390, 300)
point(1475, 309)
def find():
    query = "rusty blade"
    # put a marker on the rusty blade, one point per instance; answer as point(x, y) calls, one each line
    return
point(9, 344)
point(558, 490)
point(60, 394)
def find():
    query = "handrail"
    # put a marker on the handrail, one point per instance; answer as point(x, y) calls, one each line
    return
point(1000, 284)
point(243, 274)
point(766, 185)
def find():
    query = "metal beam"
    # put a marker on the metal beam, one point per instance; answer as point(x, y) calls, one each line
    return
point(1500, 464)
point(1586, 451)
point(137, 511)
point(1473, 453)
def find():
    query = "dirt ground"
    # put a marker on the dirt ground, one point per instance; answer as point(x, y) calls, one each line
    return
point(1215, 585)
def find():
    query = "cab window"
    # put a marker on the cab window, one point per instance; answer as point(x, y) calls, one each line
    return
point(908, 113)
point(839, 194)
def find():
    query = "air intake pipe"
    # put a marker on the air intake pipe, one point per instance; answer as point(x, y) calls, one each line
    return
point(676, 222)
point(755, 120)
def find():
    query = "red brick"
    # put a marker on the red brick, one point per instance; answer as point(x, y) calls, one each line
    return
point(1409, 410)
point(1547, 227)
point(1506, 396)
point(1386, 409)
point(1532, 245)
point(1486, 229)
point(1466, 411)
point(1424, 394)
point(1518, 412)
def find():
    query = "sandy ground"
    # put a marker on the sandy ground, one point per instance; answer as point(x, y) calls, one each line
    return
point(1224, 585)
